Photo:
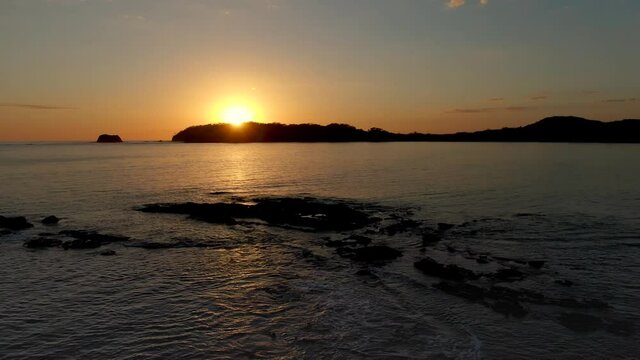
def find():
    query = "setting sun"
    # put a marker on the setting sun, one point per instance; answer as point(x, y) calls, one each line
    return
point(237, 115)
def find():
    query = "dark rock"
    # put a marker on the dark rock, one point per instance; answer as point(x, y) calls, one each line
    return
point(509, 308)
point(360, 239)
point(564, 282)
point(108, 252)
point(453, 272)
point(371, 254)
point(364, 272)
point(509, 301)
point(14, 223)
point(88, 239)
point(174, 245)
point(463, 290)
point(93, 236)
point(536, 264)
point(621, 327)
point(303, 213)
point(5, 232)
point(353, 240)
point(106, 138)
point(509, 274)
point(506, 259)
point(81, 244)
point(582, 323)
point(50, 220)
point(444, 226)
point(402, 226)
point(42, 242)
point(429, 238)
point(337, 243)
point(482, 259)
point(451, 249)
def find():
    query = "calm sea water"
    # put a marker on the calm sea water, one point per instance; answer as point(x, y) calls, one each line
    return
point(255, 295)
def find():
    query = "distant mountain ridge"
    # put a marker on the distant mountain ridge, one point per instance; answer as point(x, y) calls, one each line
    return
point(551, 129)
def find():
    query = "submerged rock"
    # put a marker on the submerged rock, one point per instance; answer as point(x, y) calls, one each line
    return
point(359, 239)
point(399, 227)
point(376, 254)
point(509, 308)
point(536, 264)
point(353, 240)
point(81, 244)
point(582, 323)
point(371, 254)
point(93, 236)
point(452, 272)
point(430, 238)
point(42, 242)
point(50, 220)
point(444, 226)
point(15, 223)
point(507, 275)
point(88, 239)
point(150, 245)
point(108, 252)
point(564, 282)
point(302, 213)
point(508, 301)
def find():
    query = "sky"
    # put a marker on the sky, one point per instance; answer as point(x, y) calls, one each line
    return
point(146, 69)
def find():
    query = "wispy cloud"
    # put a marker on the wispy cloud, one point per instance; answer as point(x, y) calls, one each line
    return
point(540, 97)
point(36, 106)
point(620, 100)
point(488, 109)
point(496, 99)
point(457, 3)
point(517, 108)
point(471, 110)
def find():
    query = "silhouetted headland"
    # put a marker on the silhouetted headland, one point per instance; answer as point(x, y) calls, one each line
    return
point(106, 138)
point(551, 129)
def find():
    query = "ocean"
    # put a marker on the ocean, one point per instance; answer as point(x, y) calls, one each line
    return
point(253, 290)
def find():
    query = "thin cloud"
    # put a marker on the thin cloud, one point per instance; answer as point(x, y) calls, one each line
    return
point(517, 108)
point(471, 111)
point(496, 99)
point(620, 100)
point(36, 106)
point(541, 97)
point(488, 110)
point(457, 3)
point(614, 100)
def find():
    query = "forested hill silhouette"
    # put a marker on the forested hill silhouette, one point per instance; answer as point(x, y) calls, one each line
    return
point(552, 129)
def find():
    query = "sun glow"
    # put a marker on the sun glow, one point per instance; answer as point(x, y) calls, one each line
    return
point(237, 115)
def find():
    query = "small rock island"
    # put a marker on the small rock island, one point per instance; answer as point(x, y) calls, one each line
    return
point(106, 138)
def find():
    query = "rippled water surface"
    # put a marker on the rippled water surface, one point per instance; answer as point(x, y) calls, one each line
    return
point(260, 291)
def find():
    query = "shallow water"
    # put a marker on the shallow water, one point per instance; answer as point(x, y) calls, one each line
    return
point(256, 294)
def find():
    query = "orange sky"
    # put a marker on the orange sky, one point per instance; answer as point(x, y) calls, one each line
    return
point(74, 69)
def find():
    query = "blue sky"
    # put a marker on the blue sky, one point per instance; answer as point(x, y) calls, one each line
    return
point(71, 69)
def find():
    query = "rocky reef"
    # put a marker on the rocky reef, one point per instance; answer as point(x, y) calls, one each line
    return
point(301, 213)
